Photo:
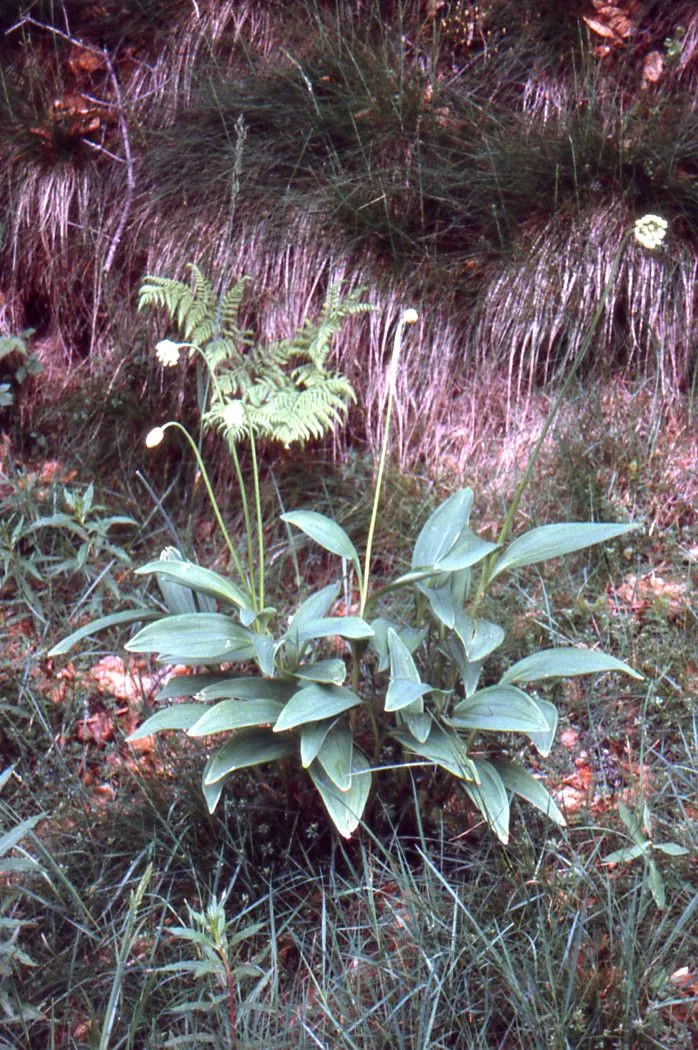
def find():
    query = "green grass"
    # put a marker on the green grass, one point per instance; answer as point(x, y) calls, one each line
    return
point(418, 935)
point(438, 942)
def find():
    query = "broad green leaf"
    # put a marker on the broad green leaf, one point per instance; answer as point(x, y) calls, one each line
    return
point(501, 709)
point(419, 723)
point(113, 620)
point(656, 882)
point(405, 686)
point(412, 637)
point(632, 823)
point(189, 685)
point(468, 551)
point(564, 662)
point(236, 714)
point(480, 637)
point(454, 650)
point(441, 603)
point(543, 742)
point(622, 856)
point(198, 638)
point(552, 541)
point(264, 648)
point(460, 587)
point(325, 532)
point(205, 581)
point(415, 576)
point(442, 749)
point(313, 608)
point(672, 849)
point(404, 691)
point(178, 598)
point(345, 807)
point(471, 677)
point(401, 663)
point(248, 688)
point(331, 672)
point(249, 747)
point(352, 627)
point(518, 780)
point(312, 738)
point(442, 529)
point(313, 703)
point(178, 716)
point(335, 756)
point(212, 792)
point(490, 797)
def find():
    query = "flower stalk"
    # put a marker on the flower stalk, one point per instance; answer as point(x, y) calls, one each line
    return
point(409, 316)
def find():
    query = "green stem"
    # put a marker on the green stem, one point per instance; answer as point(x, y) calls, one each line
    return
point(212, 499)
point(241, 485)
point(406, 318)
point(258, 509)
point(246, 516)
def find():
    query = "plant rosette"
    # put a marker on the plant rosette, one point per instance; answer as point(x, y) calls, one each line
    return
point(303, 704)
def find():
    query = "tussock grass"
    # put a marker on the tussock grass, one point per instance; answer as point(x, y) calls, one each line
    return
point(485, 179)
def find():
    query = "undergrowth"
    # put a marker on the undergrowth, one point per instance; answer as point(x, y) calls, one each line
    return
point(426, 935)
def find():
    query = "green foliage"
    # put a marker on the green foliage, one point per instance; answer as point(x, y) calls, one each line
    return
point(12, 346)
point(332, 692)
point(214, 939)
point(643, 846)
point(414, 683)
point(37, 548)
point(12, 956)
point(287, 391)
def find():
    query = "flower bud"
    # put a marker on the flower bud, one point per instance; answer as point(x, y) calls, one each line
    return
point(154, 437)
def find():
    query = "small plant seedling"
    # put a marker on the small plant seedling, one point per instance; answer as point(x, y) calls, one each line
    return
point(644, 846)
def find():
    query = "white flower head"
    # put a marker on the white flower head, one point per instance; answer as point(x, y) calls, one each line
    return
point(167, 352)
point(154, 437)
point(650, 231)
point(234, 415)
point(410, 315)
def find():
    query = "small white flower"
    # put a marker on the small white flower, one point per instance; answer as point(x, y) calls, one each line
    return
point(650, 231)
point(234, 415)
point(154, 437)
point(410, 316)
point(167, 352)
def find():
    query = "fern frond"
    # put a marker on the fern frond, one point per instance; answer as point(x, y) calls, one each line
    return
point(287, 392)
point(229, 311)
point(192, 310)
point(198, 322)
point(164, 293)
point(223, 352)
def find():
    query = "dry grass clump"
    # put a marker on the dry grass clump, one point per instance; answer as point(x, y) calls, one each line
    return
point(485, 174)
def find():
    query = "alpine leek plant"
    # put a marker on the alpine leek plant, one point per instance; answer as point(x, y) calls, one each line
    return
point(334, 696)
